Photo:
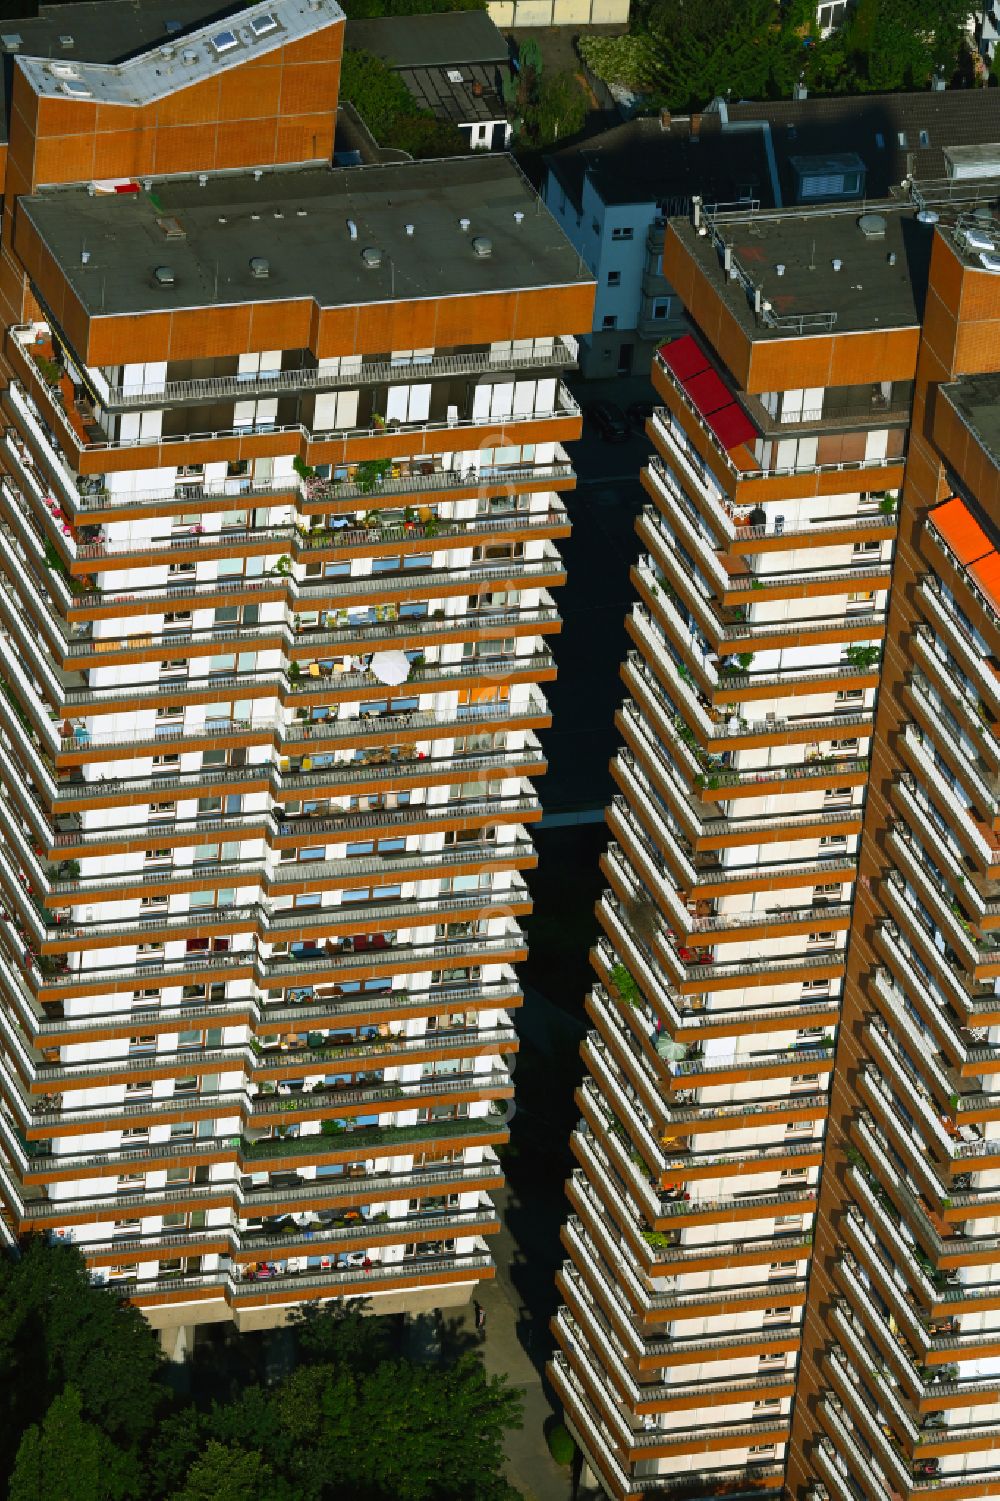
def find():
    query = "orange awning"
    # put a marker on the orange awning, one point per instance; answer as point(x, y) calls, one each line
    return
point(987, 575)
point(961, 530)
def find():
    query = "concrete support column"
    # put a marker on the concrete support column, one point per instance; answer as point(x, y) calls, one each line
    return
point(177, 1342)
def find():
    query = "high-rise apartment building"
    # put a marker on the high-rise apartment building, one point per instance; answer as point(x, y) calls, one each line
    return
point(281, 492)
point(809, 419)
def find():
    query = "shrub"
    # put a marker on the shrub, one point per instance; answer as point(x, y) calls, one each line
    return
point(561, 1446)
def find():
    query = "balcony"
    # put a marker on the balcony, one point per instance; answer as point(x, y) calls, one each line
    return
point(315, 965)
point(376, 770)
point(429, 585)
point(307, 741)
point(560, 354)
point(741, 536)
point(972, 654)
point(266, 1154)
point(85, 441)
point(251, 1199)
point(303, 545)
point(738, 466)
point(89, 499)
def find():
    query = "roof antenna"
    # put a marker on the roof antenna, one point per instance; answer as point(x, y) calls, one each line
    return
point(812, 258)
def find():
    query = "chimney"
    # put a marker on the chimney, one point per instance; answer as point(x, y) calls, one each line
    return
point(664, 119)
point(695, 127)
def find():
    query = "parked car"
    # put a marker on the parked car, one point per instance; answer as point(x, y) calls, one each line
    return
point(608, 419)
point(638, 413)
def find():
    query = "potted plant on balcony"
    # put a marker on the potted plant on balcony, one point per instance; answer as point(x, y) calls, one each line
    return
point(863, 658)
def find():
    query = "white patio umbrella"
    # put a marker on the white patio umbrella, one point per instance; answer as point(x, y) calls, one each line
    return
point(390, 667)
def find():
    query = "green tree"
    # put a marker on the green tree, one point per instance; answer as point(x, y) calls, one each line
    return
point(341, 1333)
point(702, 48)
point(401, 1432)
point(899, 44)
point(378, 94)
point(58, 1329)
point(387, 107)
point(629, 60)
point(560, 110)
point(225, 1473)
point(68, 1459)
point(422, 135)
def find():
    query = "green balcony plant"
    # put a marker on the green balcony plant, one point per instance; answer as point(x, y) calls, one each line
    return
point(368, 473)
point(862, 657)
point(887, 505)
point(302, 469)
point(659, 1240)
point(624, 986)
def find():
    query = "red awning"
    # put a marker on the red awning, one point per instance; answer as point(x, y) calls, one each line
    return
point(987, 575)
point(708, 392)
point(684, 356)
point(960, 529)
point(732, 426)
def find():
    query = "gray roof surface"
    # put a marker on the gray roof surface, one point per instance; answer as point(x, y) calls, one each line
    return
point(894, 134)
point(976, 399)
point(446, 40)
point(640, 162)
point(298, 221)
point(433, 90)
point(103, 31)
point(865, 294)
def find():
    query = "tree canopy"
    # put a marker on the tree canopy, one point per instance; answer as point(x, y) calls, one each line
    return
point(389, 110)
point(85, 1414)
point(683, 53)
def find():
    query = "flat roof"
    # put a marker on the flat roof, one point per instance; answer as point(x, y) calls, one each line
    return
point(298, 221)
point(101, 31)
point(976, 399)
point(170, 62)
point(445, 40)
point(834, 278)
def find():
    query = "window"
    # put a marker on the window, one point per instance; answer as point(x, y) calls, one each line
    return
point(662, 307)
point(623, 232)
point(610, 321)
point(614, 278)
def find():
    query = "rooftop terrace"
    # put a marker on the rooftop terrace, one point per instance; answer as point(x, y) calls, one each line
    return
point(299, 222)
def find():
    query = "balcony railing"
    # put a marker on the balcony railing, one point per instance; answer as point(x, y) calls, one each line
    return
point(565, 406)
point(561, 353)
point(300, 543)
